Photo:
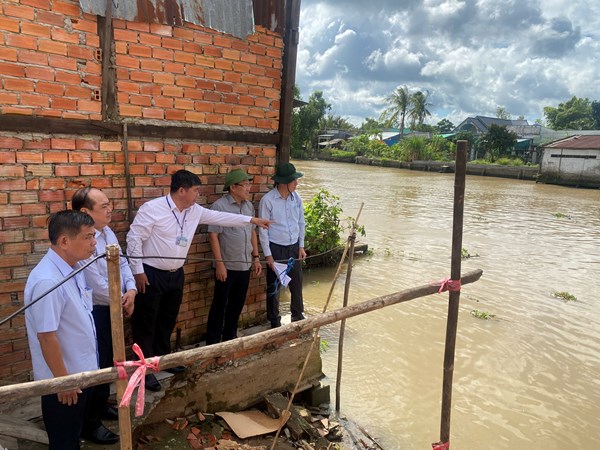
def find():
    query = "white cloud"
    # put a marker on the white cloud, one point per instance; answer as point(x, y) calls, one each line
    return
point(472, 55)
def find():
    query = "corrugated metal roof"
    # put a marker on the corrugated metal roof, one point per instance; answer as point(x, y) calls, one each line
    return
point(578, 142)
point(235, 17)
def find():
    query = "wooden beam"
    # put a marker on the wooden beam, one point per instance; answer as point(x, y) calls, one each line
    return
point(290, 54)
point(225, 349)
point(50, 125)
point(109, 82)
point(22, 429)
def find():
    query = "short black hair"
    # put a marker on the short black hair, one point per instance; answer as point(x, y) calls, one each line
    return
point(81, 199)
point(184, 179)
point(67, 222)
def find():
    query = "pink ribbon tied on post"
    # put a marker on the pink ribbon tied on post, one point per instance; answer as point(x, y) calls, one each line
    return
point(138, 378)
point(448, 285)
point(440, 446)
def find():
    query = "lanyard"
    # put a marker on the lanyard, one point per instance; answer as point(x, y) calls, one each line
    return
point(175, 215)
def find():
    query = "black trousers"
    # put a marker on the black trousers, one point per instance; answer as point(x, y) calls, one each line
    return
point(64, 423)
point(98, 401)
point(155, 313)
point(281, 253)
point(228, 302)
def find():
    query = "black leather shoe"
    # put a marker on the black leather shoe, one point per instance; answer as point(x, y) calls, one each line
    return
point(300, 317)
point(152, 383)
point(110, 413)
point(101, 436)
point(176, 369)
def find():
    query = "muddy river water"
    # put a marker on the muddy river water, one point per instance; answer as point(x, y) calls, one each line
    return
point(528, 378)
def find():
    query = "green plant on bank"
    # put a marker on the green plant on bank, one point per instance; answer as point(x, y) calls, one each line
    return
point(567, 297)
point(324, 225)
point(483, 315)
point(323, 346)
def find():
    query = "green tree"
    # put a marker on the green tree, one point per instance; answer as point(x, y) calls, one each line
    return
point(419, 103)
point(497, 142)
point(395, 115)
point(502, 113)
point(371, 127)
point(574, 114)
point(596, 114)
point(336, 122)
point(445, 126)
point(306, 122)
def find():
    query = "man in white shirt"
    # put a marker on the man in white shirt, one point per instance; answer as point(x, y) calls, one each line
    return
point(164, 228)
point(95, 203)
point(60, 327)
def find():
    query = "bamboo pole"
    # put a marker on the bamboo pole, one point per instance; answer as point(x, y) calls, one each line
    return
point(338, 379)
point(454, 296)
point(315, 336)
point(193, 356)
point(113, 261)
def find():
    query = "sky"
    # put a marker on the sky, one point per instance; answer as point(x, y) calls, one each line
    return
point(472, 56)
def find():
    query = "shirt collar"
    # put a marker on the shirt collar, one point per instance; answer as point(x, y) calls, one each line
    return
point(62, 265)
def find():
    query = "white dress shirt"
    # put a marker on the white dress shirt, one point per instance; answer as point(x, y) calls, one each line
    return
point(158, 229)
point(96, 274)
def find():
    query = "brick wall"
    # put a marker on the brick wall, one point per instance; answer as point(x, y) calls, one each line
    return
point(50, 65)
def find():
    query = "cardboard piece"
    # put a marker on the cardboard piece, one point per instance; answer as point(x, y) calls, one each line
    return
point(246, 424)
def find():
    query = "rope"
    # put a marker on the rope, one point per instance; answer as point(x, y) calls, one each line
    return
point(127, 257)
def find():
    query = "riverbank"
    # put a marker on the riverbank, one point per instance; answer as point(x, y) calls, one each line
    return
point(486, 170)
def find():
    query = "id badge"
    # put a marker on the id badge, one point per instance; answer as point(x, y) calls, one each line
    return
point(181, 241)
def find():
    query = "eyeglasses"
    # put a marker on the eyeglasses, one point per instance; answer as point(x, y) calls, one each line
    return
point(245, 184)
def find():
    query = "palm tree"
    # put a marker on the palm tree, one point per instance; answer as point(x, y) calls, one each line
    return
point(400, 101)
point(419, 110)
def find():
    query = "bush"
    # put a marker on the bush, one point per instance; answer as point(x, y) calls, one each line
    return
point(323, 227)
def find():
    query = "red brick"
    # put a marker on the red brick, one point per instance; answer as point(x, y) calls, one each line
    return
point(62, 62)
point(89, 105)
point(91, 169)
point(140, 50)
point(174, 114)
point(7, 157)
point(9, 25)
point(130, 110)
point(34, 100)
point(126, 35)
point(149, 39)
point(29, 157)
point(49, 88)
point(34, 29)
point(162, 30)
point(110, 146)
point(172, 43)
point(80, 52)
point(62, 144)
point(152, 65)
point(24, 12)
point(13, 40)
point(175, 68)
point(50, 18)
point(71, 9)
point(40, 73)
point(8, 54)
point(128, 61)
point(63, 103)
point(65, 36)
point(49, 46)
point(213, 51)
point(163, 54)
point(13, 185)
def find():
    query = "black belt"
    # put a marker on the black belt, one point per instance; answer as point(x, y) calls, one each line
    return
point(295, 244)
point(162, 270)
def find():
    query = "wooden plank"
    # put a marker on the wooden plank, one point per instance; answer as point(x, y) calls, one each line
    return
point(22, 429)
